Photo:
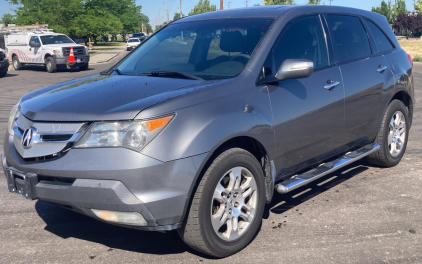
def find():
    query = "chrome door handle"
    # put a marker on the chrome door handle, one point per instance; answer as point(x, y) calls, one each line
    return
point(381, 68)
point(330, 85)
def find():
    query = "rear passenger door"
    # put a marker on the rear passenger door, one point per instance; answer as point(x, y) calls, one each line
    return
point(366, 75)
point(308, 118)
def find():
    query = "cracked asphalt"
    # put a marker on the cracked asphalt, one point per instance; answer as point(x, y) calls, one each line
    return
point(359, 214)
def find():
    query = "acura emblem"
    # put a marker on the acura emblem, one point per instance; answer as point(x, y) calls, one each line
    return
point(28, 137)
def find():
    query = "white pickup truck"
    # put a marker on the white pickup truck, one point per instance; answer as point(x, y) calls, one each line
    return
point(45, 48)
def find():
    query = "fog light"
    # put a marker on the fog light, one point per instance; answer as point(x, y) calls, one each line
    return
point(129, 218)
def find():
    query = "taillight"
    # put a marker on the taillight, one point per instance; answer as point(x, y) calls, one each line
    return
point(410, 59)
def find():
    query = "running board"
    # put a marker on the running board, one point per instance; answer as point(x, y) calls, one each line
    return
point(324, 169)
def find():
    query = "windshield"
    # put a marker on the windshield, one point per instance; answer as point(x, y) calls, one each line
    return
point(137, 35)
point(133, 40)
point(213, 49)
point(55, 39)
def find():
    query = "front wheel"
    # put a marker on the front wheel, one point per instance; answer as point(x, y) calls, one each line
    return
point(392, 136)
point(227, 207)
point(50, 65)
point(85, 67)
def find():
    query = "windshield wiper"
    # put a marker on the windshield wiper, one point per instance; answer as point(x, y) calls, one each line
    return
point(173, 74)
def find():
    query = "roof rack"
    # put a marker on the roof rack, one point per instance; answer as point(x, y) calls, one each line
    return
point(37, 29)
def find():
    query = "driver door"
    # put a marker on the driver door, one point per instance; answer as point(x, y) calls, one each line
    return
point(308, 113)
point(34, 53)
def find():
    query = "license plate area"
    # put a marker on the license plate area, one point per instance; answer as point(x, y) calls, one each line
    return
point(79, 60)
point(22, 184)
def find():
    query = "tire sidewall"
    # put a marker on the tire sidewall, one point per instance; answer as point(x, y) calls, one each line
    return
point(392, 109)
point(16, 63)
point(221, 247)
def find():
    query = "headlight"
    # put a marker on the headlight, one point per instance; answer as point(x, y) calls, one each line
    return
point(58, 52)
point(14, 114)
point(86, 50)
point(133, 135)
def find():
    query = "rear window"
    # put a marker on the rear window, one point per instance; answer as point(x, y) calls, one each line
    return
point(382, 42)
point(349, 38)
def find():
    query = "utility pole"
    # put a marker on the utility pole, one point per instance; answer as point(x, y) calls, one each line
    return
point(180, 8)
point(330, 1)
point(167, 3)
point(162, 14)
point(246, 3)
point(221, 4)
point(228, 4)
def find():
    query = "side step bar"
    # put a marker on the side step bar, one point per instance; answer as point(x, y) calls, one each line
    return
point(324, 169)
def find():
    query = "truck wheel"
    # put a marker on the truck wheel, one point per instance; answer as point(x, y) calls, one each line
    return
point(227, 207)
point(392, 136)
point(2, 74)
point(16, 63)
point(84, 68)
point(50, 65)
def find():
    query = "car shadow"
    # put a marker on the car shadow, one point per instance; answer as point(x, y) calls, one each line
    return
point(284, 202)
point(65, 223)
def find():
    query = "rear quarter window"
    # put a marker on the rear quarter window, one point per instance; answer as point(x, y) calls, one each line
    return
point(381, 40)
point(350, 41)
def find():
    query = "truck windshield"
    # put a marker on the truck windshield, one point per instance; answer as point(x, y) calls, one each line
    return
point(55, 39)
point(213, 49)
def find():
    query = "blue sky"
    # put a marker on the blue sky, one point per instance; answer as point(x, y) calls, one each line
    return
point(152, 8)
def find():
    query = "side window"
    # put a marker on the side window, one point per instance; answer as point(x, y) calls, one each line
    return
point(36, 40)
point(381, 40)
point(302, 38)
point(349, 38)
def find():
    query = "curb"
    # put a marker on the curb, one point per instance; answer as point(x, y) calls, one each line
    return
point(99, 62)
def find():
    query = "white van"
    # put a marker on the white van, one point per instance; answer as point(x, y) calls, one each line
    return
point(45, 48)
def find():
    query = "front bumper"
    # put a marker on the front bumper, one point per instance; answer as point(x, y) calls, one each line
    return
point(4, 65)
point(83, 59)
point(114, 179)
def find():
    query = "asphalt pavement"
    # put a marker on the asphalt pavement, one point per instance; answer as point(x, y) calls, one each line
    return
point(359, 214)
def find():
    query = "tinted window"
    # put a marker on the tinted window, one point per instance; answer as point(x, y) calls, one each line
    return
point(381, 40)
point(349, 38)
point(36, 40)
point(301, 39)
point(213, 49)
point(55, 39)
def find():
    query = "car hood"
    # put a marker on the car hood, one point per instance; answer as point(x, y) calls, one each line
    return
point(103, 97)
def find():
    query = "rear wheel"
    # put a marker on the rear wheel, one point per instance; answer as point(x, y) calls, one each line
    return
point(228, 204)
point(50, 65)
point(16, 63)
point(392, 136)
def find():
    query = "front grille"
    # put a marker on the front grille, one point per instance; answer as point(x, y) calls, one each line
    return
point(45, 141)
point(76, 51)
point(2, 56)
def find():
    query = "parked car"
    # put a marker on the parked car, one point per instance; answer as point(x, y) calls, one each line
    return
point(196, 136)
point(132, 43)
point(45, 48)
point(141, 36)
point(4, 63)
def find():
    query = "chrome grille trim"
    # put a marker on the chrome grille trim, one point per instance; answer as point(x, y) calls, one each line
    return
point(41, 147)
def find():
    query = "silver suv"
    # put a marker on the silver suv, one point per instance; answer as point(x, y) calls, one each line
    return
point(196, 128)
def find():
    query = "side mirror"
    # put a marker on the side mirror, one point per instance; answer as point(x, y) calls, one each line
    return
point(33, 44)
point(291, 69)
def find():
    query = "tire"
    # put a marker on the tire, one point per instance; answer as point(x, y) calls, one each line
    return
point(50, 65)
point(2, 74)
point(392, 136)
point(216, 199)
point(127, 49)
point(16, 63)
point(84, 68)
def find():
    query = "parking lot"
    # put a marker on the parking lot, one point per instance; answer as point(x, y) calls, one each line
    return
point(359, 214)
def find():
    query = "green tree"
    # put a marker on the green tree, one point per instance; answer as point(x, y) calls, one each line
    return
point(418, 5)
point(279, 2)
point(385, 10)
point(177, 16)
point(399, 7)
point(313, 2)
point(7, 19)
point(203, 6)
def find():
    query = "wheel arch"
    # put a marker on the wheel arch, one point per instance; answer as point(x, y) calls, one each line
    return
point(404, 97)
point(247, 143)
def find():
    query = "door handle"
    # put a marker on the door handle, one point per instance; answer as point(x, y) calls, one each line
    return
point(331, 84)
point(381, 68)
